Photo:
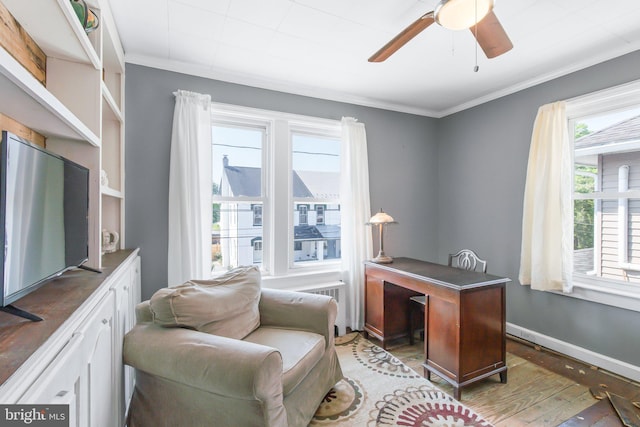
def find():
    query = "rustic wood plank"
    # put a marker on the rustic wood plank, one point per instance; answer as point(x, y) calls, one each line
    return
point(512, 422)
point(506, 402)
point(570, 405)
point(7, 123)
point(610, 420)
point(554, 410)
point(577, 371)
point(542, 413)
point(582, 402)
point(21, 46)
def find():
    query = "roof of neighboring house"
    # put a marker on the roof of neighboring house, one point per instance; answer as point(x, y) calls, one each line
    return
point(323, 185)
point(316, 232)
point(626, 130)
point(329, 231)
point(245, 181)
point(306, 232)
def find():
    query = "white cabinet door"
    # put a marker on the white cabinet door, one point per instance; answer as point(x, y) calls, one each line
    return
point(81, 375)
point(61, 382)
point(134, 299)
point(87, 372)
point(122, 289)
point(98, 349)
point(126, 288)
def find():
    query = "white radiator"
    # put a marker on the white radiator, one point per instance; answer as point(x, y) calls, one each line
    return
point(337, 290)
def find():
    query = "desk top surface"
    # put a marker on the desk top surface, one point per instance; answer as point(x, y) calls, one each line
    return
point(439, 274)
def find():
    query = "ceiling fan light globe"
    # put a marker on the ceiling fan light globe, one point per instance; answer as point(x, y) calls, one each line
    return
point(461, 14)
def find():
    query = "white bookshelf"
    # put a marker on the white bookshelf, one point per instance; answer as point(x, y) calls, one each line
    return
point(80, 111)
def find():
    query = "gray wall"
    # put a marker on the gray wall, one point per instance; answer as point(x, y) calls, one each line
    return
point(482, 160)
point(451, 183)
point(402, 162)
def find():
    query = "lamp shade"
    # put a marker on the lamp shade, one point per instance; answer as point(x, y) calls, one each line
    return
point(461, 14)
point(381, 218)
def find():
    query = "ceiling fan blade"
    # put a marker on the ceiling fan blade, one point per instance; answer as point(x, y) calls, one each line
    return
point(401, 39)
point(491, 36)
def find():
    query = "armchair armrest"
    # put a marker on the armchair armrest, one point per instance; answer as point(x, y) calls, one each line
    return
point(219, 365)
point(143, 312)
point(299, 310)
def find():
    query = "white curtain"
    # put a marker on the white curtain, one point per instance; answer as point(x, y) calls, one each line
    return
point(190, 216)
point(357, 244)
point(546, 261)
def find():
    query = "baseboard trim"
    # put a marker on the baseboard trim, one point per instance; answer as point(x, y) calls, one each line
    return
point(607, 363)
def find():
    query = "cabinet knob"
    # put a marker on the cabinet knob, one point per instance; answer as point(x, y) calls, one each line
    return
point(62, 393)
point(105, 321)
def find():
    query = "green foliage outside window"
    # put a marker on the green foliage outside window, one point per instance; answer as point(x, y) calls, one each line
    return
point(216, 206)
point(583, 210)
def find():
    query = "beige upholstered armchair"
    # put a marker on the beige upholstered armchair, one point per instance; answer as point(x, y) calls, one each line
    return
point(188, 374)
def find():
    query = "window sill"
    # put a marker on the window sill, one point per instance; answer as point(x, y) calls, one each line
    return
point(605, 292)
point(301, 279)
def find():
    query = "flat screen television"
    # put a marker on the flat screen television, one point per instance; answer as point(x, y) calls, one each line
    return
point(44, 228)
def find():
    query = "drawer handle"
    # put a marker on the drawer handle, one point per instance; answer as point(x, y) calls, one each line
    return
point(62, 393)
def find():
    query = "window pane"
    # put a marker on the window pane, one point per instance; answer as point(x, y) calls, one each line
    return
point(236, 238)
point(583, 232)
point(607, 227)
point(237, 161)
point(313, 241)
point(316, 167)
point(633, 233)
point(237, 172)
point(316, 183)
point(620, 259)
point(583, 223)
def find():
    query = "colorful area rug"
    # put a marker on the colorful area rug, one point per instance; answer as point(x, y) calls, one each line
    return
point(380, 390)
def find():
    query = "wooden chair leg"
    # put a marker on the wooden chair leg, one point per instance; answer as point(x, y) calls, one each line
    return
point(411, 322)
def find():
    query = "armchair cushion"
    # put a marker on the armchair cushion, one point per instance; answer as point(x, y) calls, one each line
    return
point(300, 352)
point(226, 306)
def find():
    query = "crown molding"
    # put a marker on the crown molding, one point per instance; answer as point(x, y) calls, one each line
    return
point(605, 56)
point(315, 92)
point(280, 86)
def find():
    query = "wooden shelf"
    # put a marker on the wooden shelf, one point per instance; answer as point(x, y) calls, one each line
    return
point(55, 27)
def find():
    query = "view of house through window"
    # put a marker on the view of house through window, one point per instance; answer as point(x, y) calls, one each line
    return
point(236, 232)
point(607, 196)
point(249, 203)
point(316, 197)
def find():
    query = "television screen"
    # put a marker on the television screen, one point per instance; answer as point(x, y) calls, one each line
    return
point(44, 204)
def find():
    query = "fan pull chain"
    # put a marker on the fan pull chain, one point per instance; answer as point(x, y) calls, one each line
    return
point(476, 68)
point(453, 44)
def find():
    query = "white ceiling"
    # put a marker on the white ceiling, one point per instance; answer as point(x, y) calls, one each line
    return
point(320, 47)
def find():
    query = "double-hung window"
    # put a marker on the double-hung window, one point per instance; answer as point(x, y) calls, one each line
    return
point(606, 195)
point(276, 191)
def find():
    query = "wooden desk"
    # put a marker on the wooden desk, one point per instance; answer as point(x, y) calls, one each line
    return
point(464, 317)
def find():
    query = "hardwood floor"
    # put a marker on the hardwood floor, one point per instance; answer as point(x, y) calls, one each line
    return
point(543, 389)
